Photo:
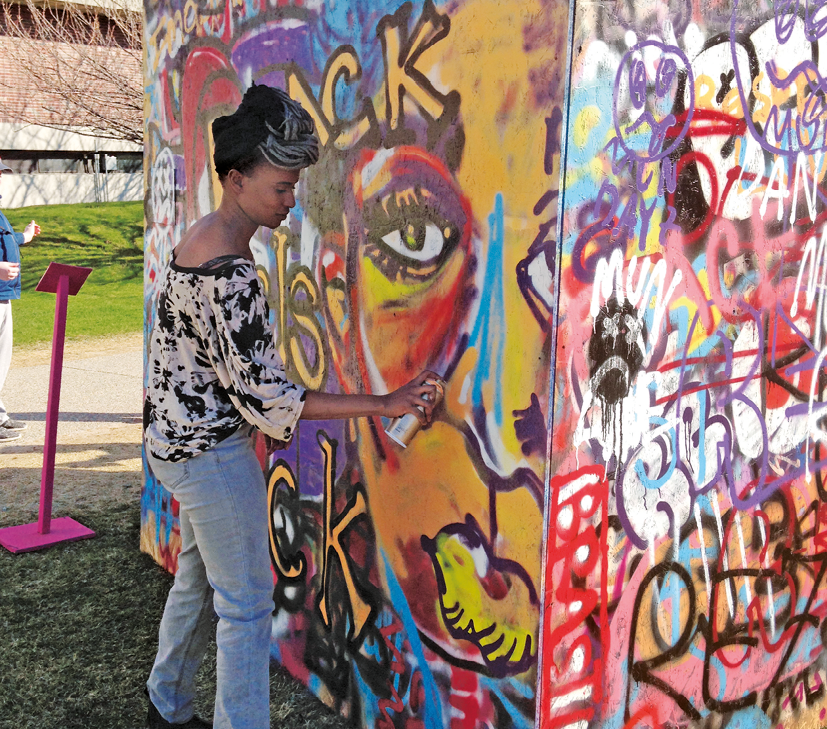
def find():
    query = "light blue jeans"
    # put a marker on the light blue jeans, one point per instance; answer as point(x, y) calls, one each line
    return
point(223, 569)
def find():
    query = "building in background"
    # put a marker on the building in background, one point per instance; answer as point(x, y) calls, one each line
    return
point(70, 101)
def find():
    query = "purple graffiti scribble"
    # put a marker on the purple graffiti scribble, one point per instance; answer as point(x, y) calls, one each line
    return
point(637, 83)
point(785, 16)
point(530, 427)
point(806, 67)
point(814, 107)
point(815, 27)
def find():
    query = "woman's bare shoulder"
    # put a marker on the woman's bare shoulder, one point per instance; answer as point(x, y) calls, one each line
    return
point(203, 242)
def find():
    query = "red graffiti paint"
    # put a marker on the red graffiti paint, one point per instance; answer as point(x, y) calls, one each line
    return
point(576, 591)
point(465, 699)
point(644, 718)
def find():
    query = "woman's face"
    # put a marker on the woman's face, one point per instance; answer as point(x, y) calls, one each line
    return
point(265, 193)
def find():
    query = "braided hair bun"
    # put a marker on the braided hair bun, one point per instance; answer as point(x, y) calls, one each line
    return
point(269, 125)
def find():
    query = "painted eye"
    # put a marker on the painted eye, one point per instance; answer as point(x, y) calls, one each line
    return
point(421, 243)
point(410, 228)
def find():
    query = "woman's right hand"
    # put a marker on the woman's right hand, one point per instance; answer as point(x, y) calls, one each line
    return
point(417, 398)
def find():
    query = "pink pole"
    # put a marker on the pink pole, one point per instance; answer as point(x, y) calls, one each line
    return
point(47, 477)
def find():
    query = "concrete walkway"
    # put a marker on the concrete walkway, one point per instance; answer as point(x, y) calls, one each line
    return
point(99, 432)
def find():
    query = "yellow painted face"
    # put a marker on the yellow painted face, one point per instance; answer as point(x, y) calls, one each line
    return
point(443, 264)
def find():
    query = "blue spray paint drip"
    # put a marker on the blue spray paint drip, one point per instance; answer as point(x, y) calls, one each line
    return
point(519, 721)
point(523, 689)
point(433, 707)
point(369, 712)
point(491, 306)
point(640, 470)
point(750, 718)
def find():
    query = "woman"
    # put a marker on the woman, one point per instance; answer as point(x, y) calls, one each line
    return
point(215, 376)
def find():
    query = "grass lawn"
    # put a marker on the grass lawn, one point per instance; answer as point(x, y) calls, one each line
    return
point(108, 237)
point(79, 625)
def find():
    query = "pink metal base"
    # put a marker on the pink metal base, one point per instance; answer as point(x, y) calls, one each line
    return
point(26, 538)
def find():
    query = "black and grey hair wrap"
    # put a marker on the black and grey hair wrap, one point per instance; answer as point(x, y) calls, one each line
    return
point(268, 122)
point(293, 145)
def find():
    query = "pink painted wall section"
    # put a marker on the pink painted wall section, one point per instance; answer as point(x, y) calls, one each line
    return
point(408, 583)
point(687, 532)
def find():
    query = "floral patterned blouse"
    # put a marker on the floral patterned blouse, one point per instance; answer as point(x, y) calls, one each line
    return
point(213, 363)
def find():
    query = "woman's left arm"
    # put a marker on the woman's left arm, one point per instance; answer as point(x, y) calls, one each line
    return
point(417, 398)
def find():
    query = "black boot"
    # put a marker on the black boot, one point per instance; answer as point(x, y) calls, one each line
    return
point(154, 720)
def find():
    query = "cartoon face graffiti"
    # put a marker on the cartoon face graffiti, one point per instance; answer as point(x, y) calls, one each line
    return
point(785, 76)
point(615, 350)
point(650, 79)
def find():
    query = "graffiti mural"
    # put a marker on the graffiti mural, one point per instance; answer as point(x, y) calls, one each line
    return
point(408, 582)
point(685, 550)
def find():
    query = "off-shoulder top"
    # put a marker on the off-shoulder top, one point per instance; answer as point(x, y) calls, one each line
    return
point(213, 363)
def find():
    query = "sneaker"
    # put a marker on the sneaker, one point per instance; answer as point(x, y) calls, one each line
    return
point(14, 425)
point(7, 435)
point(154, 720)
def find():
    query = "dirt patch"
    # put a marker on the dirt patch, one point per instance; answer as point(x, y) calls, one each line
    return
point(81, 348)
point(97, 462)
point(99, 468)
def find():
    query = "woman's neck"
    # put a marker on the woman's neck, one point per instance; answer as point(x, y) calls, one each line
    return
point(225, 232)
point(235, 224)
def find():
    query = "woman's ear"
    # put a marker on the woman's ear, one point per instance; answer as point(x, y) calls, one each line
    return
point(234, 180)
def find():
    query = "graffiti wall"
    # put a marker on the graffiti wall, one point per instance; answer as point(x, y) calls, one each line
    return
point(687, 529)
point(407, 581)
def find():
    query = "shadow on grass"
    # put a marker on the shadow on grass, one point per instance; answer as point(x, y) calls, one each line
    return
point(79, 627)
point(33, 417)
point(99, 456)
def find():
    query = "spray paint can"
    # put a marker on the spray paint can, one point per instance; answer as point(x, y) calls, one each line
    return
point(404, 428)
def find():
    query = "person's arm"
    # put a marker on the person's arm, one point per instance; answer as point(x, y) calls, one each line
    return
point(250, 370)
point(407, 399)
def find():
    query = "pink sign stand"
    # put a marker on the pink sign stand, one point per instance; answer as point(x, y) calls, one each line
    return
point(64, 281)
